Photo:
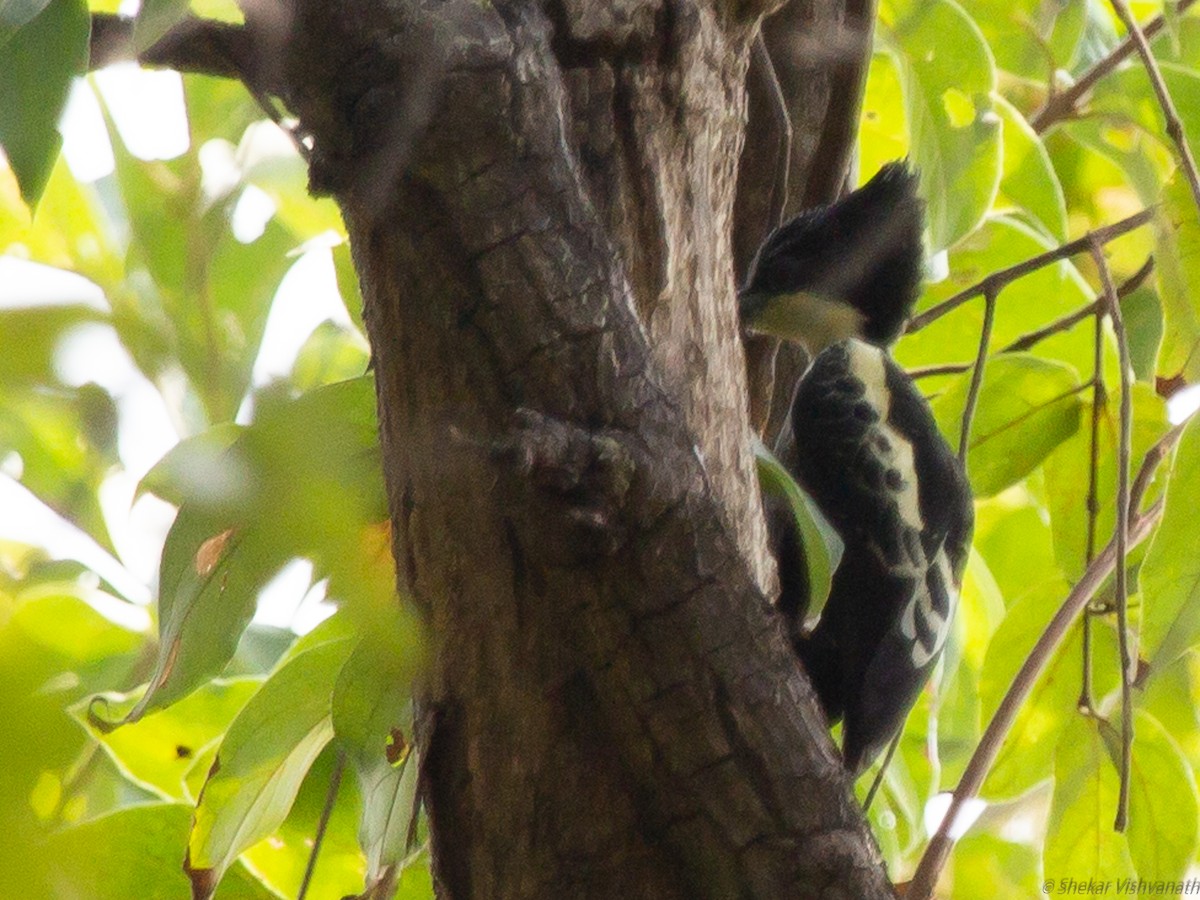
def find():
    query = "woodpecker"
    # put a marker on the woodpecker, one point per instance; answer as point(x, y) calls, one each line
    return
point(868, 452)
point(862, 442)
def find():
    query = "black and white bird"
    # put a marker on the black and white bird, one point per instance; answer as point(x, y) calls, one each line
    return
point(861, 440)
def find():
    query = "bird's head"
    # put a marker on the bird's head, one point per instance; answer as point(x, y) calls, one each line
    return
point(850, 269)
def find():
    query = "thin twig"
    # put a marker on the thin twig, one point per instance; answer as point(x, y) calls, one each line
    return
point(779, 111)
point(942, 369)
point(335, 782)
point(985, 340)
point(883, 767)
point(1099, 401)
point(996, 281)
point(1062, 105)
point(1174, 123)
point(1154, 457)
point(936, 854)
point(1070, 320)
point(1124, 454)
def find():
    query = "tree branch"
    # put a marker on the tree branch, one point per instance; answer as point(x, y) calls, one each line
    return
point(1099, 401)
point(195, 45)
point(998, 280)
point(1174, 123)
point(1062, 105)
point(1154, 457)
point(201, 46)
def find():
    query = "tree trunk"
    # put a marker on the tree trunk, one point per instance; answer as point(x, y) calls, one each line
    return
point(540, 201)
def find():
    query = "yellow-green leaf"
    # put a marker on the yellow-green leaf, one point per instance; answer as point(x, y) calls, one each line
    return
point(1027, 407)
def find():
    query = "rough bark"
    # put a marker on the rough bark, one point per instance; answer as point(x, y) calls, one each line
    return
point(539, 201)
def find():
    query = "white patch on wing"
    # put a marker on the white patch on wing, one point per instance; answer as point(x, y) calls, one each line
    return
point(923, 604)
point(902, 459)
point(868, 365)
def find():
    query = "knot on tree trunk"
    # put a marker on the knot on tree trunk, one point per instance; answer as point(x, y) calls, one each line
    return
point(584, 477)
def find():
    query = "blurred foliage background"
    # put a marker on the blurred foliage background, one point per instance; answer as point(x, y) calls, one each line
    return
point(167, 457)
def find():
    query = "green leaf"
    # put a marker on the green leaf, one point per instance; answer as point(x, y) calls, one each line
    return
point(337, 627)
point(1012, 533)
point(161, 202)
point(221, 10)
point(949, 77)
point(1029, 181)
point(330, 354)
point(347, 282)
point(981, 610)
point(1177, 266)
point(821, 544)
point(15, 14)
point(1137, 160)
point(416, 878)
point(1128, 94)
point(1099, 37)
point(1168, 697)
point(883, 129)
point(36, 66)
point(64, 438)
point(198, 469)
point(371, 698)
point(1027, 407)
point(262, 762)
point(218, 107)
point(1080, 841)
point(72, 232)
point(243, 518)
point(135, 852)
point(283, 176)
point(243, 280)
point(1144, 325)
point(156, 752)
point(372, 717)
point(1163, 805)
point(1031, 36)
point(983, 865)
point(68, 626)
point(1170, 575)
point(209, 582)
point(214, 292)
